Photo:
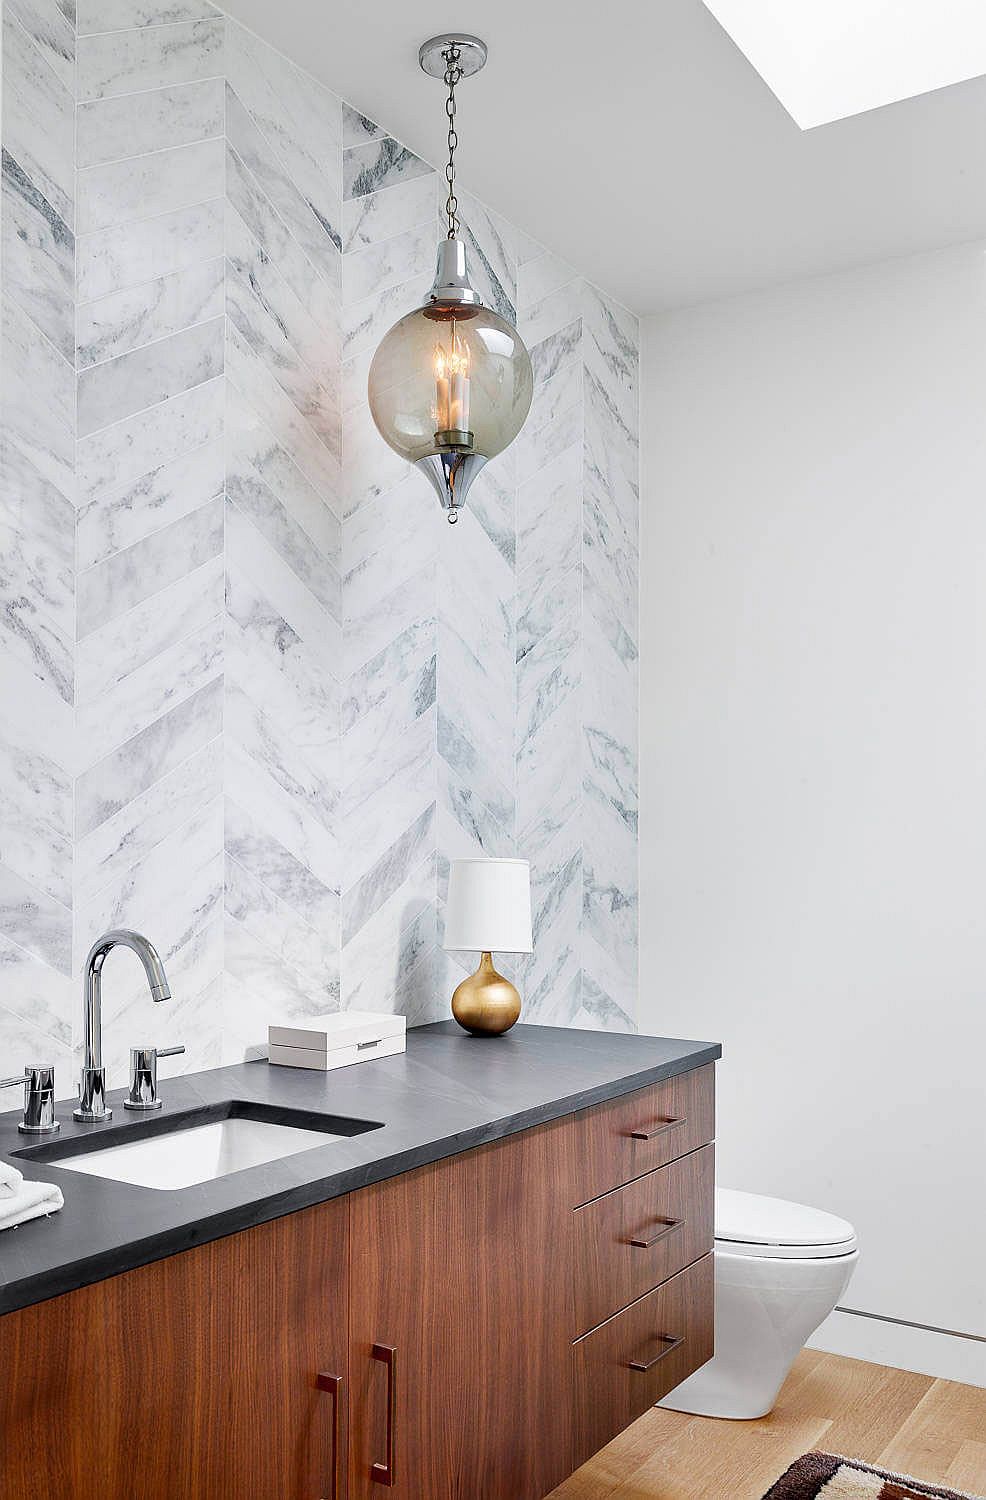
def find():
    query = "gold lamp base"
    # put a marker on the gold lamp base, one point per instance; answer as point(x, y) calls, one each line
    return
point(486, 1004)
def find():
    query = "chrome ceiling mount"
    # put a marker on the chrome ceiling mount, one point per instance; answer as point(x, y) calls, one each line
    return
point(432, 54)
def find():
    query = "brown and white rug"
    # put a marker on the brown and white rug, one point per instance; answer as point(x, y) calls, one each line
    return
point(831, 1478)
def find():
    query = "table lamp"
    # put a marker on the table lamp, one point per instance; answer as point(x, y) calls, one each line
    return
point(489, 908)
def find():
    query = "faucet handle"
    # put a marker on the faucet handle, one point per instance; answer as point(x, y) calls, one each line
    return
point(38, 1082)
point(143, 1075)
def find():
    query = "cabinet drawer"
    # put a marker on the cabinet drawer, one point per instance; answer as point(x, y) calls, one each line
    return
point(638, 1132)
point(638, 1235)
point(623, 1367)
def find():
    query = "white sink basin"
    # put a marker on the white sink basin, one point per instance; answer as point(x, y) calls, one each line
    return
point(197, 1153)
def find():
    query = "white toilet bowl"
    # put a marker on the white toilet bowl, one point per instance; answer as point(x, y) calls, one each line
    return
point(780, 1269)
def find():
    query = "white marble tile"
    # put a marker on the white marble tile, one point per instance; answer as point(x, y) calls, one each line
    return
point(35, 819)
point(127, 62)
point(313, 225)
point(283, 815)
point(490, 255)
point(41, 1001)
point(310, 782)
point(135, 701)
point(147, 186)
point(103, 856)
point(378, 164)
point(38, 121)
point(38, 251)
point(357, 128)
point(313, 954)
point(143, 251)
point(382, 620)
point(263, 651)
point(300, 119)
point(540, 277)
point(171, 894)
point(472, 766)
point(251, 446)
point(135, 638)
point(389, 539)
point(388, 777)
point(547, 601)
point(131, 382)
point(51, 33)
point(361, 900)
point(119, 15)
point(538, 446)
point(249, 552)
point(391, 211)
point(260, 852)
point(35, 921)
point(108, 129)
point(122, 775)
point(372, 469)
point(389, 262)
point(548, 777)
point(366, 322)
point(558, 310)
point(127, 320)
point(482, 715)
point(290, 541)
point(119, 454)
point(35, 712)
point(285, 996)
point(37, 400)
point(126, 579)
point(408, 659)
point(549, 514)
point(476, 828)
point(116, 518)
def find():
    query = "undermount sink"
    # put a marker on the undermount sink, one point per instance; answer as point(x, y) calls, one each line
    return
point(199, 1145)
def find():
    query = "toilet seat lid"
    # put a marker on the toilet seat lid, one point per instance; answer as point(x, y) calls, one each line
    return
point(750, 1224)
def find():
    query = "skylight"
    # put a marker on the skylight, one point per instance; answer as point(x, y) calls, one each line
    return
point(827, 59)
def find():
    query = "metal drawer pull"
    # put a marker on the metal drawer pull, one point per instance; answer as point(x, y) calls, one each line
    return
point(669, 1227)
point(386, 1473)
point(332, 1384)
point(664, 1338)
point(662, 1129)
point(362, 1046)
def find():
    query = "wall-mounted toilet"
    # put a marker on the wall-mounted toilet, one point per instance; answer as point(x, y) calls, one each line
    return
point(780, 1270)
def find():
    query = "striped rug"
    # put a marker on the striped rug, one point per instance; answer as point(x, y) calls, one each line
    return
point(831, 1478)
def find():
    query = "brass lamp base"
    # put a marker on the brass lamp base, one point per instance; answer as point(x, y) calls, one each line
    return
point(486, 1004)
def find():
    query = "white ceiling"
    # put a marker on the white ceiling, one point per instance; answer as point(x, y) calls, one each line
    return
point(637, 141)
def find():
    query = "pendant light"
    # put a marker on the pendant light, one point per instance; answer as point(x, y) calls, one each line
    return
point(451, 384)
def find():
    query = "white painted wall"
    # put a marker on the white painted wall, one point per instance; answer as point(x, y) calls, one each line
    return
point(813, 761)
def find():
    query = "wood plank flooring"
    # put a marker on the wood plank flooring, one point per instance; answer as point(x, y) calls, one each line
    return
point(931, 1429)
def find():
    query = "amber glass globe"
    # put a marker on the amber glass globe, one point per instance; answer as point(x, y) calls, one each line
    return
point(450, 379)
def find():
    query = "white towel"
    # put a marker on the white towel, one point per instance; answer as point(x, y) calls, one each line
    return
point(33, 1200)
point(10, 1180)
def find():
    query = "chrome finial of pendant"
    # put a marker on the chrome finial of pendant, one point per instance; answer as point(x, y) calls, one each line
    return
point(451, 473)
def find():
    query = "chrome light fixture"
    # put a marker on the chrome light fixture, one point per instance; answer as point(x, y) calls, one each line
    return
point(451, 384)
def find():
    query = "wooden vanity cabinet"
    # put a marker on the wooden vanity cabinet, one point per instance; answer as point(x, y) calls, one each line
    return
point(470, 1330)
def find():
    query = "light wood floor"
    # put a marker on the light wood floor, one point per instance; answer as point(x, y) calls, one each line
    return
point(931, 1429)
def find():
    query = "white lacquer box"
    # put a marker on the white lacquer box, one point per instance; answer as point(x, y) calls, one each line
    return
point(338, 1040)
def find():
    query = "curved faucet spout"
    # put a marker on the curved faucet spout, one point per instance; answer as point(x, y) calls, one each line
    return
point(92, 1089)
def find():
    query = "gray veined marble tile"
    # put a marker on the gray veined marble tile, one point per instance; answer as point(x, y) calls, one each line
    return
point(37, 568)
point(293, 545)
point(366, 322)
point(314, 224)
point(540, 276)
point(250, 444)
point(258, 321)
point(357, 128)
point(558, 310)
point(288, 994)
point(249, 552)
point(312, 953)
point(378, 164)
point(105, 788)
point(113, 259)
point(383, 619)
point(478, 828)
point(489, 255)
point(556, 351)
point(133, 640)
point(44, 1002)
point(38, 121)
point(136, 700)
point(126, 838)
point(151, 57)
point(144, 187)
point(120, 15)
point(371, 468)
point(117, 518)
point(52, 34)
point(392, 211)
point(277, 807)
point(549, 514)
point(388, 775)
point(249, 210)
point(390, 941)
point(468, 700)
point(259, 852)
point(39, 257)
point(35, 921)
point(132, 382)
point(262, 650)
point(119, 454)
point(390, 262)
point(35, 712)
point(35, 817)
point(258, 386)
point(472, 766)
point(37, 400)
point(410, 657)
point(538, 446)
point(387, 540)
point(126, 320)
point(545, 599)
point(108, 129)
point(364, 898)
point(135, 574)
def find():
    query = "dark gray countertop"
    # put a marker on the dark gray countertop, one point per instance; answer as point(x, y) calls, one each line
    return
point(447, 1093)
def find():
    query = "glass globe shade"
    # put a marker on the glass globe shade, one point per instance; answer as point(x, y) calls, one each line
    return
point(450, 378)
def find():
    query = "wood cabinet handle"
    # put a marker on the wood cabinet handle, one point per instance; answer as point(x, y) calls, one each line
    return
point(648, 1364)
point(332, 1384)
point(668, 1227)
point(662, 1129)
point(386, 1473)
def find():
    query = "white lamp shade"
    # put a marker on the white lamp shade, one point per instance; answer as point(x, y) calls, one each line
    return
point(489, 906)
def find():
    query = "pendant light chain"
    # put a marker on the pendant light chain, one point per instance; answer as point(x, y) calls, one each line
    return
point(453, 74)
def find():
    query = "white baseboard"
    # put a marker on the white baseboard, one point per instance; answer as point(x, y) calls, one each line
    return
point(930, 1352)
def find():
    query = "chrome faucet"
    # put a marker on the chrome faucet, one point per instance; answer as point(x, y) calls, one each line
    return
point(92, 1084)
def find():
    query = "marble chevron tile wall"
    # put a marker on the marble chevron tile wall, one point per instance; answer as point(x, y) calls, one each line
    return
point(257, 692)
